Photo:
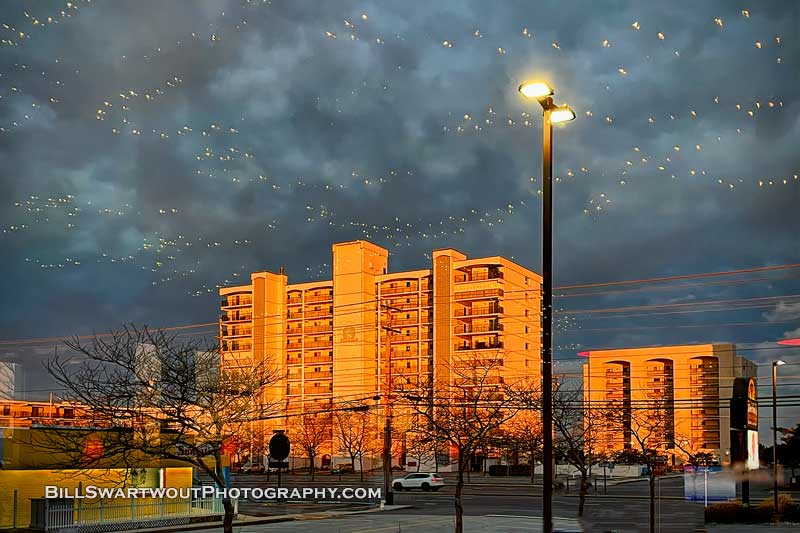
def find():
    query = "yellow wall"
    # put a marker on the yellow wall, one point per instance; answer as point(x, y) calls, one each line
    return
point(31, 484)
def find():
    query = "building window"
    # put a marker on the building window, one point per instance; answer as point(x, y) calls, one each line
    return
point(526, 363)
point(408, 348)
point(408, 364)
point(526, 329)
point(408, 283)
point(526, 313)
point(527, 280)
point(526, 345)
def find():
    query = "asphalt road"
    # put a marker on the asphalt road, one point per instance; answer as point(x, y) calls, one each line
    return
point(494, 504)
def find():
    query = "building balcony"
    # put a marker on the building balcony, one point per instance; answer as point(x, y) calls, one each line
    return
point(479, 311)
point(478, 346)
point(294, 331)
point(294, 361)
point(312, 376)
point(319, 298)
point(236, 302)
point(294, 376)
point(294, 316)
point(237, 333)
point(479, 295)
point(325, 328)
point(319, 344)
point(318, 360)
point(478, 276)
point(323, 312)
point(294, 346)
point(318, 391)
point(474, 329)
point(294, 391)
point(399, 290)
point(235, 318)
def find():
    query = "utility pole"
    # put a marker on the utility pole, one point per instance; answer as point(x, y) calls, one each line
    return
point(387, 407)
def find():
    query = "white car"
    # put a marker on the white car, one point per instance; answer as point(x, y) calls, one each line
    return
point(425, 481)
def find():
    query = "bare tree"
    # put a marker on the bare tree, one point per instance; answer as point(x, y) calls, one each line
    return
point(158, 397)
point(575, 432)
point(463, 412)
point(525, 432)
point(310, 432)
point(353, 432)
point(424, 447)
point(647, 422)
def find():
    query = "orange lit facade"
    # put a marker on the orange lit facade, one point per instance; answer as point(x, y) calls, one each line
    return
point(24, 414)
point(690, 387)
point(329, 337)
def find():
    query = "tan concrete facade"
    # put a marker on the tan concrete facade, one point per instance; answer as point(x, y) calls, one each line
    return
point(690, 384)
point(328, 337)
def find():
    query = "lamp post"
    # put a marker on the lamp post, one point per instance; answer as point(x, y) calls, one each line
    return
point(775, 365)
point(552, 114)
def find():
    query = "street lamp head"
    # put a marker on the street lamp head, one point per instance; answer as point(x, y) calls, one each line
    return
point(562, 113)
point(779, 363)
point(536, 89)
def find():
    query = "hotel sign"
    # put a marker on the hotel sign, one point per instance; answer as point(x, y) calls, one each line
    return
point(744, 423)
point(744, 404)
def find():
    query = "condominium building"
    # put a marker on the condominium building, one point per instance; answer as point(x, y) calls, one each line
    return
point(328, 338)
point(674, 398)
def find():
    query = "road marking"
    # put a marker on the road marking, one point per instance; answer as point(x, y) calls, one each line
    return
point(510, 516)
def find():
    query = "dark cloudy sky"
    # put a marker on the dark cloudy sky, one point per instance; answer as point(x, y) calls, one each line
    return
point(151, 151)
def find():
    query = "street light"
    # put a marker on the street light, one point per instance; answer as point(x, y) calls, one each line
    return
point(775, 365)
point(543, 93)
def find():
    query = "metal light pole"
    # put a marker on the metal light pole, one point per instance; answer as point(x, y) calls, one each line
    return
point(775, 365)
point(551, 113)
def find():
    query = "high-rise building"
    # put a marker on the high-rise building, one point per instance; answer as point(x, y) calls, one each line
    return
point(675, 398)
point(8, 379)
point(328, 338)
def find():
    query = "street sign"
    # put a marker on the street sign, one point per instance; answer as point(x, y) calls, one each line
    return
point(279, 446)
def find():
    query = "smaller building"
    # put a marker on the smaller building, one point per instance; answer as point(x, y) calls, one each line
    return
point(687, 390)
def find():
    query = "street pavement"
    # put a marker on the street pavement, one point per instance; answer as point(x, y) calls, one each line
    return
point(493, 504)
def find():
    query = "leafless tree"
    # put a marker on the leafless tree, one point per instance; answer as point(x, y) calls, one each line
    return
point(525, 432)
point(156, 396)
point(575, 425)
point(354, 432)
point(310, 431)
point(647, 423)
point(463, 411)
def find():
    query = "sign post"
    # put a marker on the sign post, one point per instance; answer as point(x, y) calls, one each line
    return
point(279, 448)
point(744, 431)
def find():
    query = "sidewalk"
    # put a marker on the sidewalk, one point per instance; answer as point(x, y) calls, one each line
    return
point(244, 520)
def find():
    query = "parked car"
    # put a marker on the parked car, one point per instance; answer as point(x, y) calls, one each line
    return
point(252, 468)
point(419, 480)
point(343, 468)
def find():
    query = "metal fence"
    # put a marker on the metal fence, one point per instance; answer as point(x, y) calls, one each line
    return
point(80, 517)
